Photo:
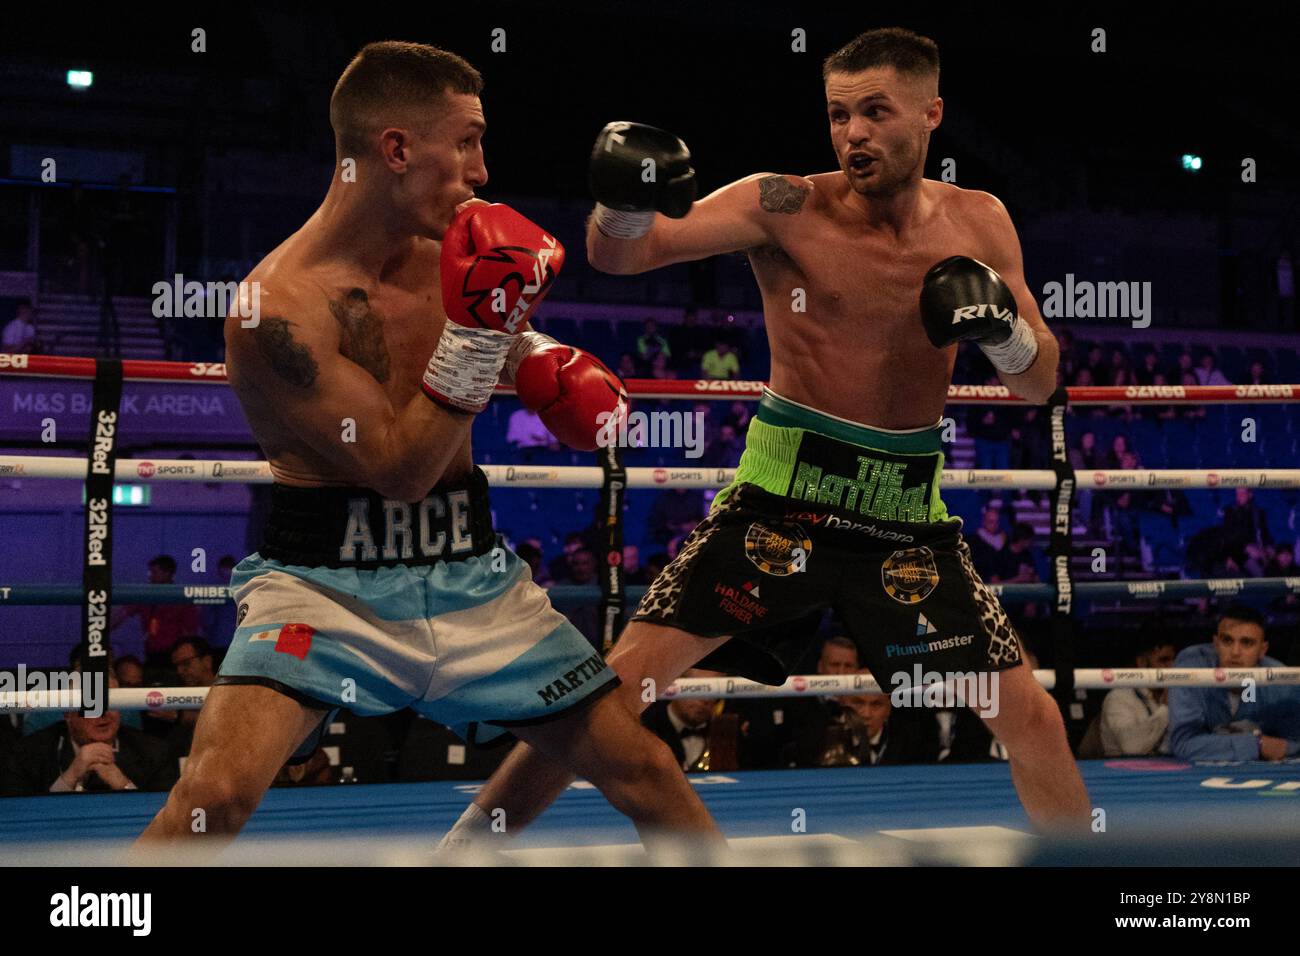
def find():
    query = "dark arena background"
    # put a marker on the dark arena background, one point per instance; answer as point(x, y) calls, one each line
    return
point(1135, 526)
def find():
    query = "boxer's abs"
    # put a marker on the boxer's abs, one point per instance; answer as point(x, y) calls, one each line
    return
point(841, 303)
point(858, 352)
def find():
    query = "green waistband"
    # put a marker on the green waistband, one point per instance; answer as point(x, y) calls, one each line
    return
point(771, 458)
point(775, 410)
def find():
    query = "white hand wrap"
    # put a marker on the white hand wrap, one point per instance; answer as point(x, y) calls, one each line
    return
point(623, 225)
point(524, 345)
point(1017, 353)
point(465, 366)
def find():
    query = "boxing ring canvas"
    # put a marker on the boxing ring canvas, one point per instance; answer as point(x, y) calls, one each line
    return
point(1157, 812)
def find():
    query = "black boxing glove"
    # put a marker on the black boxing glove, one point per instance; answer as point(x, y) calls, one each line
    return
point(963, 299)
point(628, 189)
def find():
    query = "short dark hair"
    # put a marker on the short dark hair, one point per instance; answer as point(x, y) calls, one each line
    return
point(390, 76)
point(840, 640)
point(1243, 612)
point(166, 562)
point(201, 647)
point(905, 51)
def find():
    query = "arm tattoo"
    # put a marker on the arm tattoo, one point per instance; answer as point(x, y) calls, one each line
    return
point(363, 334)
point(291, 361)
point(778, 194)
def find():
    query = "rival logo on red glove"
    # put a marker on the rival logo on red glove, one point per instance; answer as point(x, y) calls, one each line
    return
point(496, 266)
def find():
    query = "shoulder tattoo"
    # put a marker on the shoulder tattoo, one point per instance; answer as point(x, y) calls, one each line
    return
point(363, 333)
point(290, 360)
point(778, 194)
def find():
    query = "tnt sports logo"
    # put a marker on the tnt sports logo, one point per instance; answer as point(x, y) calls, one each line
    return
point(909, 576)
point(1107, 675)
point(775, 553)
point(154, 699)
point(1211, 480)
point(660, 476)
point(145, 469)
point(800, 684)
point(1098, 478)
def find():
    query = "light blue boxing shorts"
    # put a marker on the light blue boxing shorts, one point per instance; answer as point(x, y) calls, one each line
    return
point(372, 605)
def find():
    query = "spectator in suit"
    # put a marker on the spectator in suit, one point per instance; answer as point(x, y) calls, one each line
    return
point(1213, 723)
point(694, 729)
point(1134, 720)
point(91, 754)
point(883, 734)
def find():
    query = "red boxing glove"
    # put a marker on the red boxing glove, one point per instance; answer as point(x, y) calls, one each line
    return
point(496, 267)
point(573, 393)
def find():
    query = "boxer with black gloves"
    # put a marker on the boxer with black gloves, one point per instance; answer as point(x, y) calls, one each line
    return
point(870, 276)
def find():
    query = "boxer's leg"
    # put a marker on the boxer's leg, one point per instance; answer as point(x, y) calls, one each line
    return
point(1029, 725)
point(245, 734)
point(529, 781)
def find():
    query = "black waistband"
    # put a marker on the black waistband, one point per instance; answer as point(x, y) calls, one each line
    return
point(358, 528)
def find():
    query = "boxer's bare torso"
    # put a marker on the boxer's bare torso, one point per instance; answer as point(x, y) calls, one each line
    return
point(858, 351)
point(317, 310)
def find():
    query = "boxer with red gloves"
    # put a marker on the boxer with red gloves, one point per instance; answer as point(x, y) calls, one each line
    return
point(381, 583)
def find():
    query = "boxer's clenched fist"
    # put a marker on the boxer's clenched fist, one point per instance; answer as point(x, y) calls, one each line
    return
point(572, 392)
point(496, 267)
